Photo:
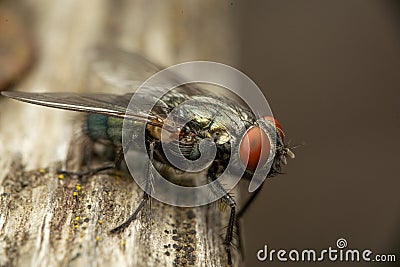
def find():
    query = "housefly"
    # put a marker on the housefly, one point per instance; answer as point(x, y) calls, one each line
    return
point(105, 114)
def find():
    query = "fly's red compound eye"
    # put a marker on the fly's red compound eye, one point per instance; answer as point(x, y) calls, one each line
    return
point(277, 126)
point(254, 148)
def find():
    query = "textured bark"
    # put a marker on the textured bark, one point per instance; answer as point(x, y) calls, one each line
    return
point(47, 220)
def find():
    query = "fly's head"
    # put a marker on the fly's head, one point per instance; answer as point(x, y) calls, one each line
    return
point(255, 147)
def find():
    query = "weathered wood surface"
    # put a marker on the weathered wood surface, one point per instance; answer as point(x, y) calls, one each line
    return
point(48, 221)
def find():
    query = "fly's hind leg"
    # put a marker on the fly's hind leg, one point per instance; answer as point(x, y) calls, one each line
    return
point(85, 153)
point(90, 172)
point(133, 217)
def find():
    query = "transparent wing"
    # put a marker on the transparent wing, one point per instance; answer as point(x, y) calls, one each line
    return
point(122, 69)
point(106, 104)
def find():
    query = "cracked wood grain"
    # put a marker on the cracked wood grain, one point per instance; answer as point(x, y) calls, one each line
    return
point(48, 221)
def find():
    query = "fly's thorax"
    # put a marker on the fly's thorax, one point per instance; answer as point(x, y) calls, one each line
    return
point(200, 129)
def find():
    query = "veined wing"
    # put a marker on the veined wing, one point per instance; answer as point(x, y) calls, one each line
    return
point(105, 104)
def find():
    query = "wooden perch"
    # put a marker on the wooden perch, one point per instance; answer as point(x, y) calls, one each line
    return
point(51, 220)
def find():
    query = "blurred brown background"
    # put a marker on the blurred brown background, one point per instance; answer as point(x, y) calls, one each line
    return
point(330, 70)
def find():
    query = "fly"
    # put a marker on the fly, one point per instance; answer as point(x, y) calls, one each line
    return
point(106, 113)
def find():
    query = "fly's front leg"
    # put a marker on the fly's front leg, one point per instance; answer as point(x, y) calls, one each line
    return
point(232, 221)
point(240, 214)
point(145, 196)
point(249, 202)
point(218, 189)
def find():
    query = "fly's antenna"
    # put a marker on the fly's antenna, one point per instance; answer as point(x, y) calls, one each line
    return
point(296, 146)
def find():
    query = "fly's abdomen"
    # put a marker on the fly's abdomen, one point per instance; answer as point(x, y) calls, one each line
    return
point(101, 127)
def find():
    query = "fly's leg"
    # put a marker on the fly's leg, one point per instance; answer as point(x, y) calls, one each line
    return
point(106, 166)
point(240, 215)
point(133, 217)
point(217, 188)
point(145, 198)
point(249, 202)
point(232, 221)
point(90, 172)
